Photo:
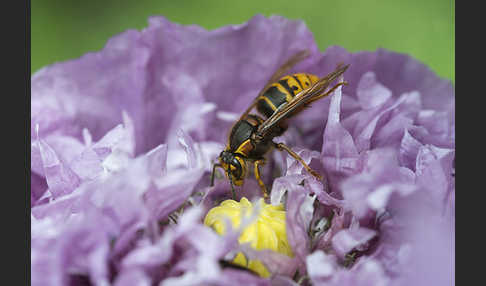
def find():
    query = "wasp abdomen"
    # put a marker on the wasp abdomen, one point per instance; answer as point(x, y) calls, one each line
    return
point(283, 91)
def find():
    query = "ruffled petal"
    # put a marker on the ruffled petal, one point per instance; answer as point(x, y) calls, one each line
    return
point(123, 141)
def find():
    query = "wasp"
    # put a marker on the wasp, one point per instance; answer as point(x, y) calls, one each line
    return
point(283, 97)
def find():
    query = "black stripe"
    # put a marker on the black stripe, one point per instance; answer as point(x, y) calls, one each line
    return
point(264, 108)
point(276, 96)
point(298, 82)
point(287, 87)
point(310, 81)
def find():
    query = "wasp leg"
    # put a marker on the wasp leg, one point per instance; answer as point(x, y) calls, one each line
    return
point(214, 171)
point(281, 146)
point(258, 177)
point(327, 93)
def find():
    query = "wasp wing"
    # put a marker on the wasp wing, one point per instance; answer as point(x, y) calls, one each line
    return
point(283, 69)
point(301, 100)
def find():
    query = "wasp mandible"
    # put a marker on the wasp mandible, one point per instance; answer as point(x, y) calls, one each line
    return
point(251, 137)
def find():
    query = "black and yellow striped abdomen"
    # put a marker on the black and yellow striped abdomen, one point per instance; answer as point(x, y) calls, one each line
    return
point(283, 91)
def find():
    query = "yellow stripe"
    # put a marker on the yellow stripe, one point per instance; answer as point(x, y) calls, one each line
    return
point(282, 89)
point(243, 147)
point(313, 78)
point(272, 106)
point(293, 84)
point(304, 80)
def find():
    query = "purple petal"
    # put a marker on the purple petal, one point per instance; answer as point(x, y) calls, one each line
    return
point(392, 132)
point(440, 128)
point(437, 178)
point(409, 149)
point(387, 155)
point(299, 212)
point(188, 144)
point(371, 94)
point(347, 239)
point(60, 178)
point(119, 138)
point(380, 177)
point(339, 154)
point(294, 166)
point(87, 165)
point(38, 187)
point(82, 249)
point(320, 266)
point(324, 240)
point(135, 277)
point(323, 197)
point(365, 123)
point(157, 161)
point(408, 75)
point(154, 77)
point(235, 277)
point(171, 191)
point(367, 273)
point(276, 263)
point(149, 255)
point(279, 280)
point(65, 147)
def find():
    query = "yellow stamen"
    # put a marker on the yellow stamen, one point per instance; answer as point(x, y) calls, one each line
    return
point(266, 232)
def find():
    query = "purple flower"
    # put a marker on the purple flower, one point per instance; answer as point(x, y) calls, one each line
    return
point(123, 140)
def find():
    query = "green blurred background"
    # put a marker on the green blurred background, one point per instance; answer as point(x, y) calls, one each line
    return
point(66, 29)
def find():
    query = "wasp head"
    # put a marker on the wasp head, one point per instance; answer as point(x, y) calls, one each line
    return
point(234, 165)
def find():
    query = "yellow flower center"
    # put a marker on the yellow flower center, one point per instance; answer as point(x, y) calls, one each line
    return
point(267, 231)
